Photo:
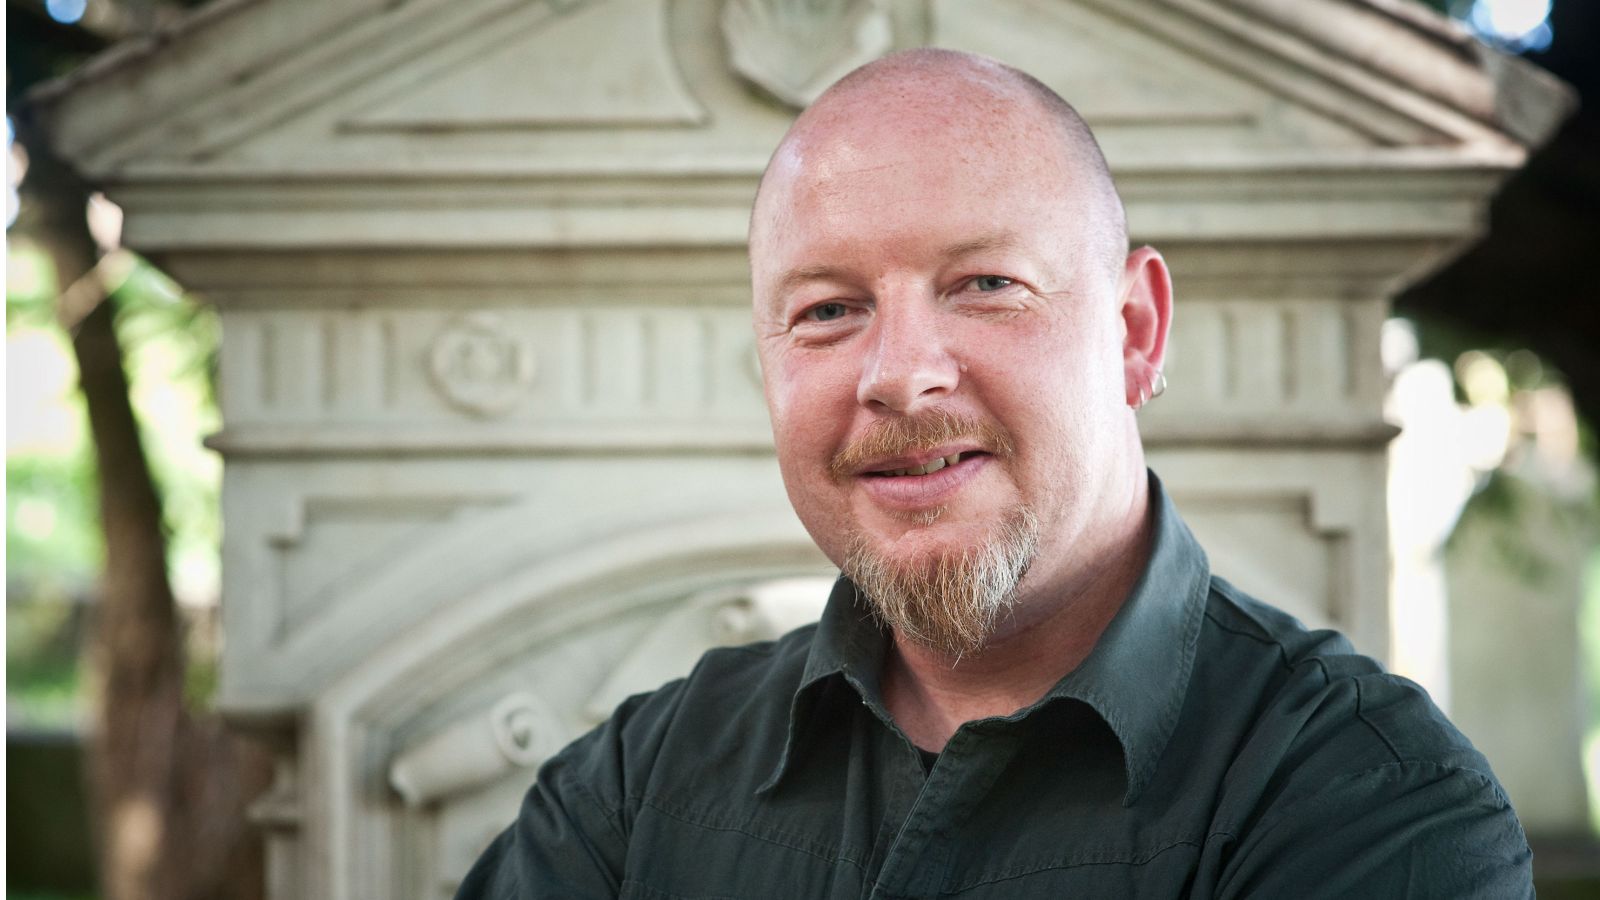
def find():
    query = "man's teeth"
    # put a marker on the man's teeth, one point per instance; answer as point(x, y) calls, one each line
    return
point(927, 468)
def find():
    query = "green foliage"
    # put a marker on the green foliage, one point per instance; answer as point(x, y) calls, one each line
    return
point(43, 638)
point(170, 345)
point(30, 284)
point(1497, 520)
point(53, 540)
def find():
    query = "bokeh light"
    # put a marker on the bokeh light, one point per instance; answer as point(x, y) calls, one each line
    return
point(1515, 24)
point(66, 11)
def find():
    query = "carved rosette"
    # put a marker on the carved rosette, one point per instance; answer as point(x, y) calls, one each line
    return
point(794, 49)
point(480, 367)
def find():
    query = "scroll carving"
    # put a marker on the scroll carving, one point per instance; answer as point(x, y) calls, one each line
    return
point(518, 731)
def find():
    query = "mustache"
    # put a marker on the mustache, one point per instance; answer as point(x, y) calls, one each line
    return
point(903, 435)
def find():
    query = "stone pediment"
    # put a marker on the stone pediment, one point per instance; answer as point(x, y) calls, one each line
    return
point(412, 111)
point(497, 452)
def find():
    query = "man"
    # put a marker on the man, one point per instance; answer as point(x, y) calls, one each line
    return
point(1028, 684)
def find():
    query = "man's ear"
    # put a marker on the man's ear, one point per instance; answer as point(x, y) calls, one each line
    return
point(1146, 316)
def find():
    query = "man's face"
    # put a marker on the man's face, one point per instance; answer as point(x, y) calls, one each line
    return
point(941, 337)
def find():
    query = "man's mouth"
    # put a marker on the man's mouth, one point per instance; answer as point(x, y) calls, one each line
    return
point(927, 468)
point(897, 449)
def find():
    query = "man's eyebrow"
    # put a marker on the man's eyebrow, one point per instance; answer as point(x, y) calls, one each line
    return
point(802, 275)
point(795, 278)
point(1004, 240)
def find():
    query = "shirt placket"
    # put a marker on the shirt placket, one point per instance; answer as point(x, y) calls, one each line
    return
point(918, 863)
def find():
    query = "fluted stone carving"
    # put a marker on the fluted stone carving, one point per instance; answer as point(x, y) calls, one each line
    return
point(496, 451)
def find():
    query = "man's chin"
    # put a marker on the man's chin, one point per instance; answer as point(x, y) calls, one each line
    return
point(921, 518)
point(943, 589)
point(921, 537)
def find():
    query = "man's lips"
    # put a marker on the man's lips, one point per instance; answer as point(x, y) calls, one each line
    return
point(892, 486)
point(917, 465)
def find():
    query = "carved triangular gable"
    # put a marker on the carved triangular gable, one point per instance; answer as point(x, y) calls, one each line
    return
point(601, 65)
point(1145, 95)
point(286, 124)
point(434, 86)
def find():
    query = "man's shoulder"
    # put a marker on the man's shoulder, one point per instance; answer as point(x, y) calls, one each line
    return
point(732, 678)
point(1328, 709)
point(785, 655)
point(1276, 634)
point(734, 699)
point(1340, 778)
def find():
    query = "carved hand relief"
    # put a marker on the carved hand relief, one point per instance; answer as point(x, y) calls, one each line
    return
point(480, 367)
point(793, 49)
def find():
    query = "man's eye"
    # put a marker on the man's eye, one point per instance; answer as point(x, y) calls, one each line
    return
point(824, 312)
point(991, 283)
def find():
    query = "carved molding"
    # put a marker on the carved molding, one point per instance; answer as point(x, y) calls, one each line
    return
point(554, 367)
point(329, 545)
point(1300, 370)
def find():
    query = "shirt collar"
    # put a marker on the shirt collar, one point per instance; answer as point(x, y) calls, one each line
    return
point(1136, 677)
point(848, 644)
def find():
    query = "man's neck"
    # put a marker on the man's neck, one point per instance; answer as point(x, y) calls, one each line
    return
point(930, 694)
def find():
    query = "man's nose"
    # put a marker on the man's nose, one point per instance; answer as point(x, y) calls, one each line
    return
point(909, 364)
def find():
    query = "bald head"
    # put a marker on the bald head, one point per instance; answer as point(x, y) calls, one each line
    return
point(931, 91)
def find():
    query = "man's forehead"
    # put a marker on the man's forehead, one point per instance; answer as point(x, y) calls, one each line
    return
point(873, 128)
point(881, 183)
point(870, 171)
point(899, 108)
point(960, 145)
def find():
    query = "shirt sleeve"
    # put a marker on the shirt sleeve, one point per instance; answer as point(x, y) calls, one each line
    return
point(1410, 830)
point(569, 839)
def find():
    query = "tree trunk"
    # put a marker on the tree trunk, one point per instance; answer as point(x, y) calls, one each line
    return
point(169, 789)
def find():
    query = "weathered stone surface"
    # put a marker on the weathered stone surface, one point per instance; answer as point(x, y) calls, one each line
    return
point(492, 418)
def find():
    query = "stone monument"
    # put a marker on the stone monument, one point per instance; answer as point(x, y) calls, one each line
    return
point(496, 453)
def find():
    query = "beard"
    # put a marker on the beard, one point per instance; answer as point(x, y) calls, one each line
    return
point(950, 602)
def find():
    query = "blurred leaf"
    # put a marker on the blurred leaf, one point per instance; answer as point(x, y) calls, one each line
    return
point(43, 678)
point(62, 560)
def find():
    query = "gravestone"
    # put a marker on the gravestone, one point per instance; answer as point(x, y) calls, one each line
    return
point(496, 452)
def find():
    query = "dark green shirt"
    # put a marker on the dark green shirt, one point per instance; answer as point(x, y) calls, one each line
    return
point(1210, 746)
